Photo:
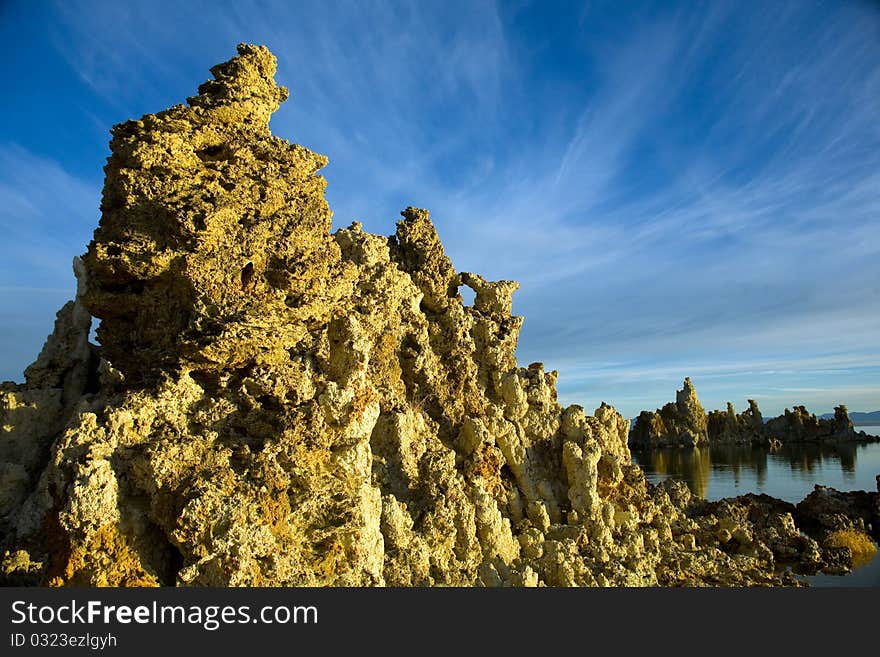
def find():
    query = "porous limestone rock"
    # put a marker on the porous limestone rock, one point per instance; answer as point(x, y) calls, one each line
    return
point(799, 425)
point(685, 424)
point(276, 404)
point(743, 428)
point(681, 423)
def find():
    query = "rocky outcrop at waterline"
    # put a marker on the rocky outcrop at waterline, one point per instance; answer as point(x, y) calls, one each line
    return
point(273, 403)
point(732, 427)
point(684, 423)
point(799, 425)
point(844, 523)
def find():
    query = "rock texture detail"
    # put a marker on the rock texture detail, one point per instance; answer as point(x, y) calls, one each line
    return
point(276, 404)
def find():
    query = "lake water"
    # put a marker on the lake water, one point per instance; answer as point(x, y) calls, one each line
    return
point(788, 473)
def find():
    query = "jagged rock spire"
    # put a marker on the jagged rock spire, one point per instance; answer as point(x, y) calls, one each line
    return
point(213, 249)
point(243, 90)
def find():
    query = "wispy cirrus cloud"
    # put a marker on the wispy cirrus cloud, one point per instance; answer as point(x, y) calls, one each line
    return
point(46, 218)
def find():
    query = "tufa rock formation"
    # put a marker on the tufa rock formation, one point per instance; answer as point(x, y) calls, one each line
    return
point(680, 424)
point(799, 425)
point(729, 427)
point(276, 404)
point(685, 424)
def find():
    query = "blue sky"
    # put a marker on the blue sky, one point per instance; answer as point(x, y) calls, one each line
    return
point(682, 189)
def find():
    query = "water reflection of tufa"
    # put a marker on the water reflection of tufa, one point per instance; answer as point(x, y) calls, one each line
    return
point(695, 465)
point(691, 465)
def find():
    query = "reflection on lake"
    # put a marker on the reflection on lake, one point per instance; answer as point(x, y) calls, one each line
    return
point(788, 473)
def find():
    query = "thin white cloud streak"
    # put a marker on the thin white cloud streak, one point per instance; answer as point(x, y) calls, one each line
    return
point(632, 372)
point(48, 215)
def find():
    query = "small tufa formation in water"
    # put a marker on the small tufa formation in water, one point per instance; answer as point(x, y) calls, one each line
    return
point(686, 424)
point(682, 423)
point(799, 425)
point(274, 404)
point(729, 427)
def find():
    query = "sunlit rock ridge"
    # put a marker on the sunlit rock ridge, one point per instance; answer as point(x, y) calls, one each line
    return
point(273, 403)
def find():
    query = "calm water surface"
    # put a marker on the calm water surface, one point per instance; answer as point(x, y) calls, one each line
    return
point(788, 473)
